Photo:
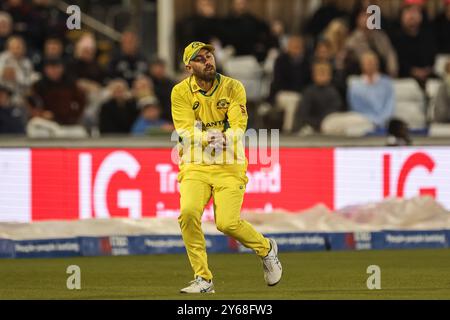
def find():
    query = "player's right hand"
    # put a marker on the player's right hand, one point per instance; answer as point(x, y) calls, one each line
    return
point(216, 139)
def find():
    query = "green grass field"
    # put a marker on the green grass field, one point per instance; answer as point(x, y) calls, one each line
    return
point(406, 274)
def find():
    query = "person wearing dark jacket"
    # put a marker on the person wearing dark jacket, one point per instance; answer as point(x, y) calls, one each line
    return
point(203, 26)
point(415, 46)
point(128, 64)
point(322, 17)
point(319, 99)
point(53, 49)
point(46, 20)
point(118, 114)
point(442, 28)
point(163, 86)
point(292, 68)
point(246, 33)
point(60, 94)
point(20, 12)
point(11, 118)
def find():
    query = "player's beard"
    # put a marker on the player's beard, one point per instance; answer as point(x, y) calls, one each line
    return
point(207, 74)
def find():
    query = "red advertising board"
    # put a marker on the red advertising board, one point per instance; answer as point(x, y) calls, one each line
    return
point(70, 184)
point(102, 183)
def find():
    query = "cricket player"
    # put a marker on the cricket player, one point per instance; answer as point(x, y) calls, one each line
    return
point(210, 117)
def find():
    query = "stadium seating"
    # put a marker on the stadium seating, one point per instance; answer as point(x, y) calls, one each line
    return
point(249, 72)
point(439, 130)
point(431, 90)
point(410, 103)
point(288, 101)
point(439, 65)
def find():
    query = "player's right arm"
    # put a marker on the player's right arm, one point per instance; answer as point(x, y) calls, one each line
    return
point(184, 119)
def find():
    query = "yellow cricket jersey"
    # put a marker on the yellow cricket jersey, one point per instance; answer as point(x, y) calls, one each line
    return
point(195, 112)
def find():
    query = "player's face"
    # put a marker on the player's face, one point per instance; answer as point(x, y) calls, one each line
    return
point(203, 66)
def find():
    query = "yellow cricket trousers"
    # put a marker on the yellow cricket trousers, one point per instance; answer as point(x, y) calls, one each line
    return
point(227, 187)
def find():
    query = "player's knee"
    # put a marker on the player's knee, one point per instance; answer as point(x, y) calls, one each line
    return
point(189, 214)
point(227, 227)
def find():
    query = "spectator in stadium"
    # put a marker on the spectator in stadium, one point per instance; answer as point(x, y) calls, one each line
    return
point(11, 117)
point(291, 74)
point(150, 121)
point(53, 49)
point(336, 34)
point(415, 46)
point(85, 66)
point(143, 87)
point(442, 112)
point(245, 32)
point(323, 17)
point(6, 28)
point(16, 70)
point(372, 95)
point(421, 5)
point(118, 114)
point(363, 39)
point(128, 63)
point(292, 68)
point(60, 94)
point(89, 75)
point(20, 13)
point(204, 25)
point(442, 29)
point(46, 21)
point(40, 123)
point(277, 43)
point(163, 86)
point(322, 52)
point(278, 38)
point(319, 99)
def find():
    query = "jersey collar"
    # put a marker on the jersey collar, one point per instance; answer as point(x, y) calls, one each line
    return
point(195, 87)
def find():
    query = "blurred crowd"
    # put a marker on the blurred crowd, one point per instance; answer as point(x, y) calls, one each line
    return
point(53, 87)
point(334, 76)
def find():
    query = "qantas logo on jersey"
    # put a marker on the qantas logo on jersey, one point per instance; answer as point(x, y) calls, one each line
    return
point(214, 124)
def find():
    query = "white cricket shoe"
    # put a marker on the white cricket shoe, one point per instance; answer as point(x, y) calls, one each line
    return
point(199, 285)
point(272, 266)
